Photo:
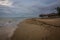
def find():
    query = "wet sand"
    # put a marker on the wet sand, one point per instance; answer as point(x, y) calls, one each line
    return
point(38, 29)
point(8, 26)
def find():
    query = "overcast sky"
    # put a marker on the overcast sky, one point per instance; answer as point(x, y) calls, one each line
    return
point(27, 8)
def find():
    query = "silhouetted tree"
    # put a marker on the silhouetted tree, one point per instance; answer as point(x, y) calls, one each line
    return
point(40, 15)
point(58, 10)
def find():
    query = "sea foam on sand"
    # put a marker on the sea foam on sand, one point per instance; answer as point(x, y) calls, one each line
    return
point(7, 29)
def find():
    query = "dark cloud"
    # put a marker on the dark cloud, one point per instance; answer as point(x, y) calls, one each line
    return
point(29, 8)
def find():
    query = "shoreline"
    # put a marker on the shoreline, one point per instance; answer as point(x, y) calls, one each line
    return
point(35, 30)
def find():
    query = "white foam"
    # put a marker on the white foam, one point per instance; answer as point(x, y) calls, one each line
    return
point(7, 29)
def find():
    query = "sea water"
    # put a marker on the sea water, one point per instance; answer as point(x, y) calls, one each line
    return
point(8, 26)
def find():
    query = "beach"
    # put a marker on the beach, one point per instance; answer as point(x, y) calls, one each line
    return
point(30, 29)
point(7, 27)
point(38, 29)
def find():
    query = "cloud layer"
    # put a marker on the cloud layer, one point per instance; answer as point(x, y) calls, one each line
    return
point(27, 8)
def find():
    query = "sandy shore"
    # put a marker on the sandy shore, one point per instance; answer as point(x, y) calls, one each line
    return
point(8, 26)
point(38, 29)
point(6, 30)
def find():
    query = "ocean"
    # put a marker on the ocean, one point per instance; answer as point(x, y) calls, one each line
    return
point(8, 26)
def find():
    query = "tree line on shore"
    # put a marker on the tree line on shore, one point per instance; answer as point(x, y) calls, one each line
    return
point(51, 14)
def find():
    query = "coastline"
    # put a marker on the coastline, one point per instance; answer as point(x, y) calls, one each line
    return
point(8, 26)
point(35, 29)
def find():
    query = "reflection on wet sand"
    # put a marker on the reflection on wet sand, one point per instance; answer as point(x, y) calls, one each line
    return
point(6, 29)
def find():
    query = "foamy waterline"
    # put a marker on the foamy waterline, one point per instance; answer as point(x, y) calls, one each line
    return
point(8, 26)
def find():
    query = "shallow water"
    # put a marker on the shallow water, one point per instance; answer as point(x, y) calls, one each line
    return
point(7, 26)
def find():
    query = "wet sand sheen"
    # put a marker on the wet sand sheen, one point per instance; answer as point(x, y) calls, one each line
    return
point(6, 30)
point(8, 26)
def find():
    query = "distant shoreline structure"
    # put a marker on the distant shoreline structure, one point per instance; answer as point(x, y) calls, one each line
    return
point(51, 15)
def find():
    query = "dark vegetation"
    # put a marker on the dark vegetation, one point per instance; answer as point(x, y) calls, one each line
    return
point(58, 10)
point(52, 14)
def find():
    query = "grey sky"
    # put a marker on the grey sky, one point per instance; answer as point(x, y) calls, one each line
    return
point(27, 8)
